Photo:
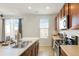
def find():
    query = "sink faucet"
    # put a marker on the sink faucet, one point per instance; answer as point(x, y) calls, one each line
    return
point(18, 37)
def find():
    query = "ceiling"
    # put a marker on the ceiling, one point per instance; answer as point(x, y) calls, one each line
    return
point(36, 8)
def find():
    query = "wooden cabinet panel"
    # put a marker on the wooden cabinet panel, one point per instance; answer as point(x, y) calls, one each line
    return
point(74, 14)
point(66, 9)
point(32, 50)
point(63, 11)
point(55, 23)
point(62, 53)
point(58, 22)
point(27, 52)
point(37, 48)
point(60, 17)
point(70, 10)
point(75, 9)
point(60, 14)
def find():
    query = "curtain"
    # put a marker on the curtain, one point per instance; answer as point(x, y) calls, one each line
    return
point(3, 29)
point(20, 27)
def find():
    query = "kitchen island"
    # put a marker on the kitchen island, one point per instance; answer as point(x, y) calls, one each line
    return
point(30, 50)
point(69, 50)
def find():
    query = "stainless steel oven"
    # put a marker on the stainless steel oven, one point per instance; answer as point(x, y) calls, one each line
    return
point(68, 41)
point(57, 46)
point(57, 49)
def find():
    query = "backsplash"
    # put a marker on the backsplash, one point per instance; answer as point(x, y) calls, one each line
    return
point(71, 33)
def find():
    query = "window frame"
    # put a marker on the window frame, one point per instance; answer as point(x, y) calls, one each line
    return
point(47, 27)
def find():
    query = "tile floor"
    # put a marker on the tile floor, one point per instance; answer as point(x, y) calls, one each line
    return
point(46, 51)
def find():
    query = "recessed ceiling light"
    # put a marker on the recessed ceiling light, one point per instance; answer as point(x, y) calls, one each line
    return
point(47, 7)
point(29, 7)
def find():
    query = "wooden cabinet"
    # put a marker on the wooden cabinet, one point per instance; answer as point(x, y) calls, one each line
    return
point(66, 8)
point(27, 52)
point(36, 48)
point(62, 53)
point(71, 11)
point(63, 18)
point(60, 14)
point(56, 23)
point(32, 50)
point(74, 9)
point(63, 11)
point(74, 14)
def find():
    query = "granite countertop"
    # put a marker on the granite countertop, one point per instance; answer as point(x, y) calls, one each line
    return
point(9, 51)
point(70, 50)
point(56, 37)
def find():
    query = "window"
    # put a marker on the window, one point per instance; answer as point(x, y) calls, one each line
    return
point(44, 28)
point(11, 28)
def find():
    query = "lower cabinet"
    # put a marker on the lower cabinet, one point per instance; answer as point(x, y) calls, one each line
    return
point(32, 50)
point(62, 53)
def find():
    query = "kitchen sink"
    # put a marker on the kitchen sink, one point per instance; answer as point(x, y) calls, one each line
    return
point(21, 44)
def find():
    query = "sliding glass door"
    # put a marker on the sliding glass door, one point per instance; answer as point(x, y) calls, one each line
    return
point(11, 28)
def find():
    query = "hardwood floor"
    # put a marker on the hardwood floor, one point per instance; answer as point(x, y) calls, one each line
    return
point(45, 51)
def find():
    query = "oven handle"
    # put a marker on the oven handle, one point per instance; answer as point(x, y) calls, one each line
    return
point(57, 45)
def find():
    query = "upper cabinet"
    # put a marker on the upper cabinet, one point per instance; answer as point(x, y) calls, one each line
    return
point(63, 20)
point(55, 23)
point(60, 14)
point(74, 8)
point(68, 17)
point(63, 11)
point(66, 9)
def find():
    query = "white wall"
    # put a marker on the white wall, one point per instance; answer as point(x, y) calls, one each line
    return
point(31, 27)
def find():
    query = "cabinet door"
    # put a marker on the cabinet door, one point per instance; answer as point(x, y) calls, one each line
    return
point(66, 9)
point(63, 11)
point(32, 50)
point(28, 52)
point(60, 14)
point(58, 22)
point(74, 8)
point(55, 23)
point(62, 53)
point(37, 48)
